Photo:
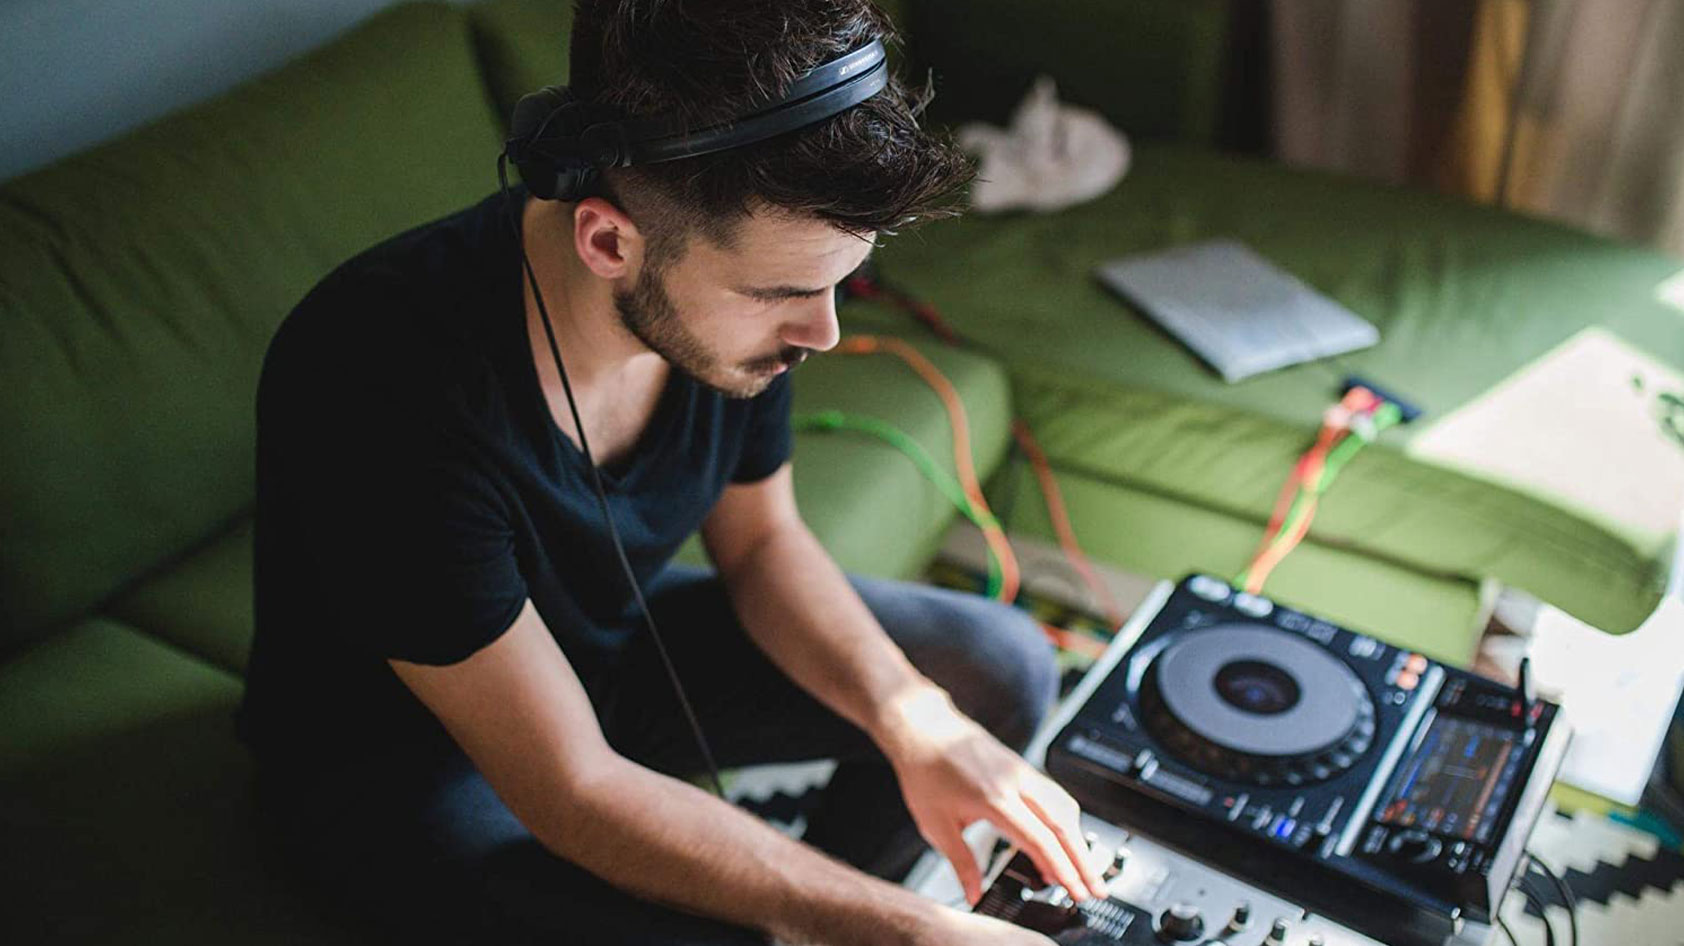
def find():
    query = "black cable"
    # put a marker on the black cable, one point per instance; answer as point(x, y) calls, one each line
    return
point(601, 492)
point(1538, 904)
point(1568, 899)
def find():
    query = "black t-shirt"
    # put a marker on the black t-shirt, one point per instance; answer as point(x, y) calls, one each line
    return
point(413, 491)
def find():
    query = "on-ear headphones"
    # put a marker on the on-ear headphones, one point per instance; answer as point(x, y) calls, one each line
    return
point(560, 144)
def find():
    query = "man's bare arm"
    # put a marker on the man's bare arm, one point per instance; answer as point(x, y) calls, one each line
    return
point(799, 608)
point(519, 711)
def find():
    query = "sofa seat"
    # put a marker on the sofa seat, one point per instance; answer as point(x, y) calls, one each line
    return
point(1463, 297)
point(126, 800)
point(203, 603)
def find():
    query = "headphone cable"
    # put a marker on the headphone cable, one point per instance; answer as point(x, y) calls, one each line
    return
point(1568, 900)
point(601, 491)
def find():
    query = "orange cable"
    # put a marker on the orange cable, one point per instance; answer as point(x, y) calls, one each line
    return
point(1289, 490)
point(964, 463)
point(927, 315)
point(1258, 574)
point(1061, 521)
point(1308, 472)
point(1308, 468)
point(1073, 641)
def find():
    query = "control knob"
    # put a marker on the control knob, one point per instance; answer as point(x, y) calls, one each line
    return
point(1416, 846)
point(1118, 862)
point(1181, 923)
point(1241, 918)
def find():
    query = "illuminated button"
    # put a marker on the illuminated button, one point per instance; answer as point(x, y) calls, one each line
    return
point(1208, 588)
point(1417, 664)
point(1408, 681)
point(1252, 605)
point(1364, 648)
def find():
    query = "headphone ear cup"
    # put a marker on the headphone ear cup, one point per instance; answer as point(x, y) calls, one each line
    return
point(575, 181)
point(534, 109)
point(543, 114)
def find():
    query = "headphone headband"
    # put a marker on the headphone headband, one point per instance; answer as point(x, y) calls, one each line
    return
point(559, 146)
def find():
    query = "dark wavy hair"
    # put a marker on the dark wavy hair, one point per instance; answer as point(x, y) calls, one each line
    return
point(870, 169)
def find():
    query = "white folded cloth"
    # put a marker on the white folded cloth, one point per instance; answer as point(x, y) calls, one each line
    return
point(1054, 155)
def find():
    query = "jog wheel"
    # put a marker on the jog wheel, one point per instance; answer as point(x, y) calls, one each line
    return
point(1255, 704)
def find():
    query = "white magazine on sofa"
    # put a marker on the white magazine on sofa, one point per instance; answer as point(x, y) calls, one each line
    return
point(1235, 309)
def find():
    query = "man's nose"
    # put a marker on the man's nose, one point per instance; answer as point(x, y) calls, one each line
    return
point(817, 327)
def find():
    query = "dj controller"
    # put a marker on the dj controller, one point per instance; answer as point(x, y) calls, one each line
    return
point(1259, 777)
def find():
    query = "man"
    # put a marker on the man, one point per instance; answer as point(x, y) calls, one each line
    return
point(463, 732)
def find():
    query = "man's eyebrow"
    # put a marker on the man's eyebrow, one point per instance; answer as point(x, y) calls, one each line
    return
point(775, 293)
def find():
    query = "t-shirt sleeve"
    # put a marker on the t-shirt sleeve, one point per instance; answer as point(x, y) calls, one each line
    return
point(383, 516)
point(767, 439)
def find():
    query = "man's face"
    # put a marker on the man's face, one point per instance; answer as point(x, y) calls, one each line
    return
point(735, 319)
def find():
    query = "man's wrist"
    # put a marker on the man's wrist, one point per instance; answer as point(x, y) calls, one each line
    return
point(916, 718)
point(856, 908)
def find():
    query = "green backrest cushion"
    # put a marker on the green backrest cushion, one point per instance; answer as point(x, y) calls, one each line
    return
point(1153, 67)
point(140, 283)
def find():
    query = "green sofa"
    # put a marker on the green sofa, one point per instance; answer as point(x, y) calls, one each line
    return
point(140, 283)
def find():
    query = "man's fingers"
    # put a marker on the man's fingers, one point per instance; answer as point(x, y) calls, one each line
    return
point(1037, 840)
point(950, 841)
point(1060, 812)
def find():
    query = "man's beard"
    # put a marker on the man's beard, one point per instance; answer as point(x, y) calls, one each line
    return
point(649, 314)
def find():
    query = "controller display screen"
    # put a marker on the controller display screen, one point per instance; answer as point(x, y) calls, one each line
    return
point(1456, 780)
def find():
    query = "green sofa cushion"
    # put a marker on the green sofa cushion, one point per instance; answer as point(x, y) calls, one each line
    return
point(1385, 505)
point(1463, 297)
point(872, 509)
point(124, 801)
point(140, 282)
point(1151, 533)
point(201, 604)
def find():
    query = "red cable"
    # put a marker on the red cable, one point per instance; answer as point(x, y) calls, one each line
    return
point(963, 461)
point(1060, 517)
point(866, 288)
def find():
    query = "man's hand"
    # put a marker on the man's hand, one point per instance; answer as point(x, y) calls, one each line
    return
point(953, 773)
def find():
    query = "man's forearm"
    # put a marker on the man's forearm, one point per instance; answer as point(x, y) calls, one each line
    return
point(670, 842)
point(800, 609)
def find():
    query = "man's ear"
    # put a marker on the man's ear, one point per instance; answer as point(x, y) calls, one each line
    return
point(605, 238)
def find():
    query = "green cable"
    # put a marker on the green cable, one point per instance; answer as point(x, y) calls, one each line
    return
point(1385, 416)
point(914, 451)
